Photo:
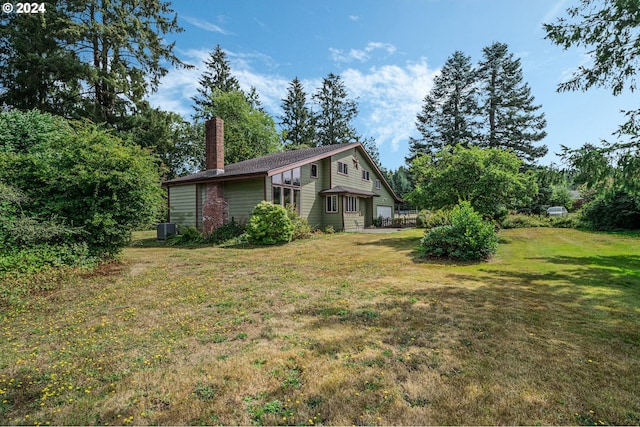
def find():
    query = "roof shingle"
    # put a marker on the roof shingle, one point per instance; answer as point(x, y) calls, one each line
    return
point(264, 164)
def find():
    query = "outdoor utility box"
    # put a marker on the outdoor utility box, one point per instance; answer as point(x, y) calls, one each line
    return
point(166, 229)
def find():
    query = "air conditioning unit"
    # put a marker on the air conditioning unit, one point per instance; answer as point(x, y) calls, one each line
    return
point(166, 229)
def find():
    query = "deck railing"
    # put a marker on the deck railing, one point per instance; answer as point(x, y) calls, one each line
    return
point(399, 222)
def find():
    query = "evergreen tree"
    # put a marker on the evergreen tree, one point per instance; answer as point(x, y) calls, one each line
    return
point(297, 121)
point(124, 40)
point(510, 118)
point(36, 71)
point(402, 183)
point(217, 76)
point(99, 57)
point(177, 144)
point(449, 115)
point(254, 99)
point(333, 121)
point(371, 147)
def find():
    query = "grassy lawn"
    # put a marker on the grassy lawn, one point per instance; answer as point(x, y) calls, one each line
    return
point(338, 329)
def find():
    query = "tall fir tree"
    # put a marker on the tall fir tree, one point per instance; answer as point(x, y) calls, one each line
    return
point(371, 147)
point(124, 42)
point(511, 119)
point(333, 120)
point(36, 71)
point(450, 112)
point(216, 77)
point(99, 57)
point(298, 129)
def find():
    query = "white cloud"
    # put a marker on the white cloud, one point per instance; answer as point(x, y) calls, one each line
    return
point(180, 85)
point(389, 98)
point(354, 18)
point(361, 55)
point(204, 25)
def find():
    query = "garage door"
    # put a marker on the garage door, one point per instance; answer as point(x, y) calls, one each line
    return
point(384, 212)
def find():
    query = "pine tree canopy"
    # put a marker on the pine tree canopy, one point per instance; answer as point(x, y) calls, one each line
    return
point(336, 111)
point(298, 129)
point(488, 106)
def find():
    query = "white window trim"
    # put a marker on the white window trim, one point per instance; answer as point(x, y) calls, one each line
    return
point(344, 168)
point(326, 204)
point(311, 175)
point(348, 207)
point(378, 184)
point(367, 173)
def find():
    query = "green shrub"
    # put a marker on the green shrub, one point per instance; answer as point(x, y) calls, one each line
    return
point(564, 222)
point(40, 268)
point(85, 175)
point(615, 211)
point(226, 232)
point(467, 238)
point(524, 221)
point(269, 225)
point(186, 236)
point(301, 227)
point(437, 218)
point(329, 229)
point(421, 218)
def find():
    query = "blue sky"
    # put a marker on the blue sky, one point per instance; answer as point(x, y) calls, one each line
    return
point(387, 53)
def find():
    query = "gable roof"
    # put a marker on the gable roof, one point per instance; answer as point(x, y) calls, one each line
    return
point(265, 164)
point(274, 163)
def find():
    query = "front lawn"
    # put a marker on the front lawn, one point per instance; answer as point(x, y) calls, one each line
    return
point(338, 329)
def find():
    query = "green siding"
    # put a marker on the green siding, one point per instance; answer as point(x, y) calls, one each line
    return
point(332, 219)
point(353, 179)
point(243, 196)
point(182, 205)
point(202, 195)
point(311, 203)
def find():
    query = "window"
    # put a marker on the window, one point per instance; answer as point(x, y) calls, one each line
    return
point(377, 184)
point(350, 204)
point(314, 170)
point(342, 168)
point(277, 195)
point(286, 188)
point(365, 175)
point(296, 177)
point(332, 204)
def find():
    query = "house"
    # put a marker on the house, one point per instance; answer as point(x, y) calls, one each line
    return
point(336, 185)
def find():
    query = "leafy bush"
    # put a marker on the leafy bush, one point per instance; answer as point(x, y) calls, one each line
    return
point(40, 268)
point(618, 210)
point(329, 229)
point(530, 221)
point(564, 222)
point(561, 196)
point(269, 225)
point(467, 238)
point(81, 173)
point(421, 218)
point(432, 219)
point(301, 227)
point(226, 232)
point(524, 221)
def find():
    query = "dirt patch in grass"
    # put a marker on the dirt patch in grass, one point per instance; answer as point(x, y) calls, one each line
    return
point(342, 329)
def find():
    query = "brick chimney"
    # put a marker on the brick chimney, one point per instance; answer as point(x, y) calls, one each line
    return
point(214, 143)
